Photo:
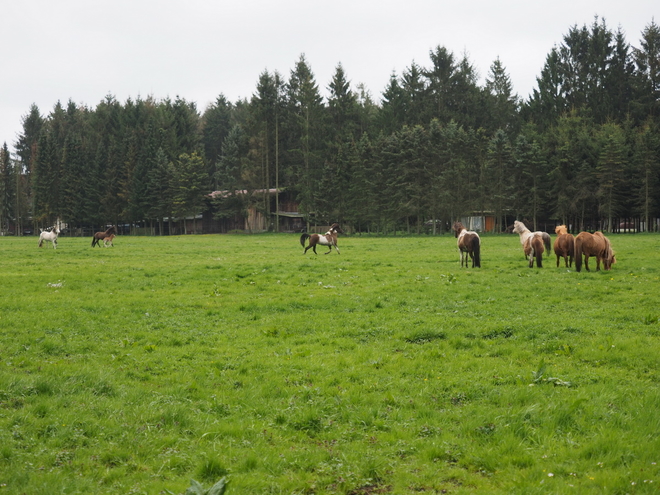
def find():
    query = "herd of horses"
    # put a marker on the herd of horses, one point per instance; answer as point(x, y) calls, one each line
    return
point(566, 246)
point(534, 244)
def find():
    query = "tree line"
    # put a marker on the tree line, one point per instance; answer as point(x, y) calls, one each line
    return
point(583, 149)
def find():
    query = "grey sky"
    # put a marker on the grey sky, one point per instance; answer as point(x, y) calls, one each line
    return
point(197, 49)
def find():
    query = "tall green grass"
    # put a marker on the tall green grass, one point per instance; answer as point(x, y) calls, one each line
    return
point(386, 369)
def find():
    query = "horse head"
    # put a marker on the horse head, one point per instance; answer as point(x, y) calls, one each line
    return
point(519, 227)
point(561, 230)
point(336, 228)
point(457, 227)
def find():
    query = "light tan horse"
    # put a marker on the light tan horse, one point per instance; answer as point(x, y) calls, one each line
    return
point(564, 245)
point(108, 241)
point(469, 243)
point(597, 245)
point(532, 243)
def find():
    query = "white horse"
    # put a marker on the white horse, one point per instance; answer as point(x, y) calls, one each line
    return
point(532, 243)
point(49, 236)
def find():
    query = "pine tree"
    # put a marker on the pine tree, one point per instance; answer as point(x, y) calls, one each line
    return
point(610, 173)
point(7, 189)
point(647, 61)
point(503, 102)
point(305, 129)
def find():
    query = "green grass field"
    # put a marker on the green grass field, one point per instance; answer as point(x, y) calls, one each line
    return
point(386, 369)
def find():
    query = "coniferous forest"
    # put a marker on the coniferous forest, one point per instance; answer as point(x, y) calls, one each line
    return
point(583, 149)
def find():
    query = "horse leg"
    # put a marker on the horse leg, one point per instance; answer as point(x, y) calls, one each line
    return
point(597, 263)
point(586, 262)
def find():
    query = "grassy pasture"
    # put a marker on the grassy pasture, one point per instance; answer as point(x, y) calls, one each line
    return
point(386, 369)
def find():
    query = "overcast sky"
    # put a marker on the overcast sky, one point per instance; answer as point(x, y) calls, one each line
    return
point(84, 50)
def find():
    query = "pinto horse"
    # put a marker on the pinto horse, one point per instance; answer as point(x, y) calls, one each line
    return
point(49, 234)
point(532, 243)
point(469, 243)
point(597, 245)
point(328, 239)
point(99, 236)
point(564, 245)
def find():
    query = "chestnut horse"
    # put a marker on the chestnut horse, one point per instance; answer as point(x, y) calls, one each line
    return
point(532, 243)
point(328, 239)
point(597, 245)
point(99, 236)
point(564, 245)
point(469, 243)
point(108, 241)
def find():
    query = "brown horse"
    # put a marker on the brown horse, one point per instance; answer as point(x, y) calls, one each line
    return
point(597, 245)
point(328, 239)
point(99, 236)
point(564, 245)
point(469, 243)
point(532, 243)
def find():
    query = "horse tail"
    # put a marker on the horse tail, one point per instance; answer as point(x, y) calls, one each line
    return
point(303, 238)
point(41, 241)
point(570, 248)
point(538, 251)
point(578, 254)
point(536, 244)
point(546, 241)
point(476, 251)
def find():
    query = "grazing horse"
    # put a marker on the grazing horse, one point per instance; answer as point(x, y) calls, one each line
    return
point(49, 234)
point(532, 243)
point(469, 243)
point(564, 245)
point(328, 239)
point(99, 236)
point(108, 241)
point(597, 245)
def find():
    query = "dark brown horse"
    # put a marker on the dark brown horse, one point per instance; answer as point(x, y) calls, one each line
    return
point(597, 245)
point(564, 245)
point(328, 239)
point(469, 243)
point(99, 236)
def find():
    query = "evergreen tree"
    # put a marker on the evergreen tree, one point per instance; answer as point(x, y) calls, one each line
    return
point(306, 130)
point(503, 102)
point(610, 173)
point(530, 176)
point(7, 189)
point(647, 172)
point(191, 186)
point(393, 108)
point(500, 175)
point(216, 124)
point(647, 61)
